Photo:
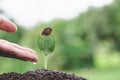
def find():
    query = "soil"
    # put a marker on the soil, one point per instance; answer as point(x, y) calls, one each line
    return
point(40, 74)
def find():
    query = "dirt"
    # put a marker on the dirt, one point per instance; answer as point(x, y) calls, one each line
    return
point(40, 74)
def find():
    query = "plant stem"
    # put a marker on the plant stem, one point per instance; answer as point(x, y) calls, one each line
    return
point(45, 61)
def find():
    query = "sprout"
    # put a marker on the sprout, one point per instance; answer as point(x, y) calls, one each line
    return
point(46, 43)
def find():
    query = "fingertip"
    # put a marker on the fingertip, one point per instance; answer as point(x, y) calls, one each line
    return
point(12, 28)
point(34, 59)
point(7, 26)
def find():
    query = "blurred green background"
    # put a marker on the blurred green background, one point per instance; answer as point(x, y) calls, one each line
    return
point(87, 45)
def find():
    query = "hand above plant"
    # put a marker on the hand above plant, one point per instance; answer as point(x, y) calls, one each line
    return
point(12, 50)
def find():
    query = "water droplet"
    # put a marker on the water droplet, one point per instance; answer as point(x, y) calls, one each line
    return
point(34, 63)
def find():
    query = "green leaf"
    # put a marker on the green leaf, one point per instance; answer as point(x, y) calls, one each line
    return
point(46, 43)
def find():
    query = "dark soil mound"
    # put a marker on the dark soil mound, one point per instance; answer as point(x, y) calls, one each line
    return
point(40, 74)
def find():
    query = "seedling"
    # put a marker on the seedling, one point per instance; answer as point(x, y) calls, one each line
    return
point(46, 43)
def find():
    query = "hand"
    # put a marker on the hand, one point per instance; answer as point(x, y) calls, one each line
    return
point(13, 50)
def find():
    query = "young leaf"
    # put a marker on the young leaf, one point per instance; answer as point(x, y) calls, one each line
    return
point(46, 43)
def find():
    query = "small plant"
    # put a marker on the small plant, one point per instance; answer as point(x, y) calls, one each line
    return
point(46, 43)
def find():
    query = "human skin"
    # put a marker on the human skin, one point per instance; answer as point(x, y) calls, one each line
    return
point(8, 49)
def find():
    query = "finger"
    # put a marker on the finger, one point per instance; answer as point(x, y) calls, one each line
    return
point(18, 52)
point(7, 26)
point(18, 47)
point(25, 54)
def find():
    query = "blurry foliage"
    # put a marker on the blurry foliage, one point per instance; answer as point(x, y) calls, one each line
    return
point(77, 39)
point(13, 37)
point(89, 40)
